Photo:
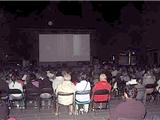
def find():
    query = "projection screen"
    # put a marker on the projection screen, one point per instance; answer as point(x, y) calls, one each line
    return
point(64, 47)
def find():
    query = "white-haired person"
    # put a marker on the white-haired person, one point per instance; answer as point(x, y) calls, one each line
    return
point(100, 85)
point(66, 87)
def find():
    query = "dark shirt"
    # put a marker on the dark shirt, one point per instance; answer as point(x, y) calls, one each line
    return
point(129, 109)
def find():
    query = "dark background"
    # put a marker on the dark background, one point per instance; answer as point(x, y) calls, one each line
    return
point(120, 25)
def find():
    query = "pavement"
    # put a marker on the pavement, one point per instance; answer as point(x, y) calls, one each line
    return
point(33, 113)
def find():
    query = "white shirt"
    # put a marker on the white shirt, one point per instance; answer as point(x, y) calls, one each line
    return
point(16, 85)
point(66, 87)
point(148, 79)
point(57, 81)
point(83, 86)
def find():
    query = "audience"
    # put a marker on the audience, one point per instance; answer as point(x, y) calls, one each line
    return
point(140, 91)
point(61, 81)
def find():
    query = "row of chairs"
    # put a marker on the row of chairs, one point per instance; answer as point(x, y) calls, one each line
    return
point(92, 103)
point(26, 96)
point(30, 93)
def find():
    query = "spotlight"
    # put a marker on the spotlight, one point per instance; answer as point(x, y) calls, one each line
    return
point(50, 23)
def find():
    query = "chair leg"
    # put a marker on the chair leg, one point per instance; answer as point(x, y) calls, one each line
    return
point(76, 109)
point(70, 109)
point(93, 106)
point(57, 109)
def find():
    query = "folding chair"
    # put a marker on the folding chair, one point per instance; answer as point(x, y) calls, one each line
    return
point(59, 103)
point(13, 98)
point(46, 92)
point(79, 103)
point(101, 96)
point(32, 93)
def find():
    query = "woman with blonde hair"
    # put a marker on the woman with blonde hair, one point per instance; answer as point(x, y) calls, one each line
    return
point(66, 87)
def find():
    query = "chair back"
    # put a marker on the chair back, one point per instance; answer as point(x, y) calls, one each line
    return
point(101, 92)
point(81, 94)
point(86, 92)
point(101, 95)
point(45, 86)
point(31, 89)
point(32, 92)
point(15, 91)
point(65, 96)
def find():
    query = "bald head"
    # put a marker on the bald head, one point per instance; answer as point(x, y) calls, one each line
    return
point(103, 77)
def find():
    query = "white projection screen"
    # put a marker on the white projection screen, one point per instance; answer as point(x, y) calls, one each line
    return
point(64, 47)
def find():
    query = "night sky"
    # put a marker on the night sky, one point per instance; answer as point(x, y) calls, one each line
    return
point(110, 9)
point(119, 24)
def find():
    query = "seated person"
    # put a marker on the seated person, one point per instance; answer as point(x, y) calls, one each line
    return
point(149, 79)
point(101, 84)
point(130, 108)
point(56, 80)
point(83, 85)
point(14, 84)
point(140, 91)
point(66, 87)
point(33, 81)
point(46, 91)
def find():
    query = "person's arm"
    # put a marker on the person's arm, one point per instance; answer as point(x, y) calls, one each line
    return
point(93, 90)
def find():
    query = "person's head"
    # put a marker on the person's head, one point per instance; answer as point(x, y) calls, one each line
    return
point(82, 76)
point(14, 78)
point(59, 73)
point(50, 74)
point(103, 77)
point(130, 92)
point(67, 77)
point(63, 73)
